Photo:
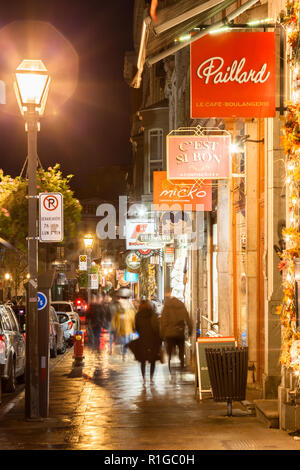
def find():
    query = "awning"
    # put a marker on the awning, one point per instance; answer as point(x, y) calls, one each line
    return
point(157, 39)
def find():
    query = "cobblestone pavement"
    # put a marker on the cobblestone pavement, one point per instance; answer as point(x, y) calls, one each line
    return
point(105, 406)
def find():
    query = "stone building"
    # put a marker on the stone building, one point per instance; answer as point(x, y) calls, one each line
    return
point(238, 258)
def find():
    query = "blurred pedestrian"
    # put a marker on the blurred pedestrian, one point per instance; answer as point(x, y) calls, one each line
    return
point(109, 312)
point(95, 320)
point(149, 341)
point(174, 319)
point(123, 320)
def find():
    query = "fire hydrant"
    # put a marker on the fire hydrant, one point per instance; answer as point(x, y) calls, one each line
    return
point(78, 340)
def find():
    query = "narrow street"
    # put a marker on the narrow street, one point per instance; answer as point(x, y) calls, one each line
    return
point(104, 406)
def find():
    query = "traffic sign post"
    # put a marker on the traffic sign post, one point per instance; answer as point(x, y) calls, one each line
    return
point(83, 263)
point(51, 220)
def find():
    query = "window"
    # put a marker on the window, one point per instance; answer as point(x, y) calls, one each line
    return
point(155, 157)
point(62, 307)
point(12, 318)
point(5, 322)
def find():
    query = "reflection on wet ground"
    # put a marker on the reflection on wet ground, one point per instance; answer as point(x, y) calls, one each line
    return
point(105, 405)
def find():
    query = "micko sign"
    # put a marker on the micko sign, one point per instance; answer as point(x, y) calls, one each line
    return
point(233, 75)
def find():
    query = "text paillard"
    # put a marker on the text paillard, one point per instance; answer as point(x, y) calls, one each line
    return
point(115, 460)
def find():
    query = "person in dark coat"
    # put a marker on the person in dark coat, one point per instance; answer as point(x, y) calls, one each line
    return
point(149, 342)
point(174, 319)
point(96, 319)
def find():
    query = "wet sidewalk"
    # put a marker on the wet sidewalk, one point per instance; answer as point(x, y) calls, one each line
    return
point(104, 406)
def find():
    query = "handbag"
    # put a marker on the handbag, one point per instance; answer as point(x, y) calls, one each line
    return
point(134, 347)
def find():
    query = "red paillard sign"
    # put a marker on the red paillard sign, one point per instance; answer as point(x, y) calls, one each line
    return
point(196, 157)
point(233, 75)
point(182, 193)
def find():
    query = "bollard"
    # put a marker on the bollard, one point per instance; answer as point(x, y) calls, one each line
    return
point(78, 356)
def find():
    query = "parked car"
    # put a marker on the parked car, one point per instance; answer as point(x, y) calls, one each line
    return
point(58, 344)
point(12, 349)
point(20, 313)
point(67, 324)
point(67, 307)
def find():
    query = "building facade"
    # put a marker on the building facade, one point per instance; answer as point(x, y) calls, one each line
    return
point(241, 236)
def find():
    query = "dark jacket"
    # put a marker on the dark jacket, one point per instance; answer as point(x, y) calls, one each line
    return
point(174, 317)
point(96, 316)
point(149, 343)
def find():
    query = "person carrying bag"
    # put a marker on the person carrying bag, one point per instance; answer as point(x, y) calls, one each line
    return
point(146, 348)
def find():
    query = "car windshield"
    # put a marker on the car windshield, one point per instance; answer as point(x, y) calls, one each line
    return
point(62, 318)
point(62, 307)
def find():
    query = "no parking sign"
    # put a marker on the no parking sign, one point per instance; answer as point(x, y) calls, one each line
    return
point(51, 217)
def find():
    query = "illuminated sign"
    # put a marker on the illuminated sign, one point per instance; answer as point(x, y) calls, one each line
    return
point(184, 193)
point(198, 157)
point(233, 75)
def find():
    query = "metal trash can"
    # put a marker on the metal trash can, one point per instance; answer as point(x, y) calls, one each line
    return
point(228, 370)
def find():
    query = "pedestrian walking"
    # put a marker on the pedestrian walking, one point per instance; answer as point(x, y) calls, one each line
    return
point(148, 345)
point(109, 307)
point(122, 321)
point(174, 318)
point(95, 320)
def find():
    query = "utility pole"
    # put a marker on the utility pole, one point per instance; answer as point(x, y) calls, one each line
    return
point(32, 353)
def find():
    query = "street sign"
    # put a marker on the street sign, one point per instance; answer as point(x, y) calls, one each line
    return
point(51, 217)
point(83, 263)
point(42, 301)
point(94, 281)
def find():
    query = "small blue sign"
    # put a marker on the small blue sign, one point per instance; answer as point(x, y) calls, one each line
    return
point(42, 300)
point(131, 277)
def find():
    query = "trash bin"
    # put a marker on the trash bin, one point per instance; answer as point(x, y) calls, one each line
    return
point(228, 369)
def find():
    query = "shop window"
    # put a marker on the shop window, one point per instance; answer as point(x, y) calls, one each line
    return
point(155, 157)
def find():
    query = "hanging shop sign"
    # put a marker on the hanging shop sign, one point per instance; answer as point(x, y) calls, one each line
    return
point(196, 157)
point(134, 228)
point(166, 194)
point(120, 277)
point(51, 220)
point(233, 75)
point(131, 277)
point(133, 261)
point(155, 241)
point(169, 254)
point(146, 253)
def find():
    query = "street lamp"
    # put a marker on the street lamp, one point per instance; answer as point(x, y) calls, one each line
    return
point(7, 278)
point(88, 243)
point(32, 86)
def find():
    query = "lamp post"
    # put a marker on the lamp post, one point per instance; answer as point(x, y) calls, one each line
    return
point(88, 243)
point(7, 278)
point(31, 86)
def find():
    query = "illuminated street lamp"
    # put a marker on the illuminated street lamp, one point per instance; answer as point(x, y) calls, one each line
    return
point(7, 278)
point(88, 243)
point(31, 86)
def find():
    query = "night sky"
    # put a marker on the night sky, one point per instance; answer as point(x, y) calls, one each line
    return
point(92, 128)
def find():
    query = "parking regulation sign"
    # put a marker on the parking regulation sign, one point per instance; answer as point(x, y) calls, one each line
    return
point(42, 301)
point(83, 263)
point(51, 217)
